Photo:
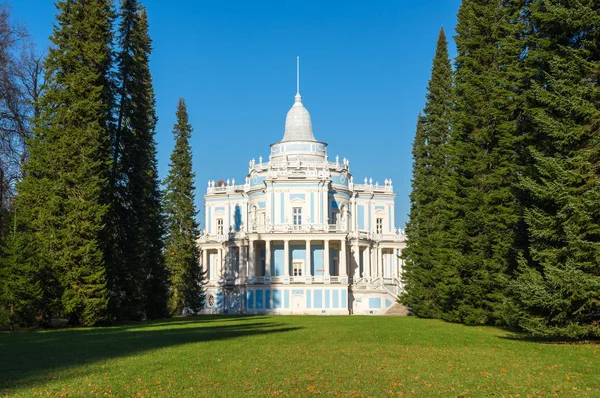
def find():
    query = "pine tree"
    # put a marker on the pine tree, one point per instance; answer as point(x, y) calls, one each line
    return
point(62, 198)
point(181, 250)
point(484, 157)
point(20, 290)
point(425, 274)
point(137, 275)
point(557, 292)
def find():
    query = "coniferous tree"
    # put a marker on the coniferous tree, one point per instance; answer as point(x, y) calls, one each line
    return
point(20, 290)
point(137, 275)
point(426, 272)
point(181, 250)
point(557, 292)
point(484, 158)
point(62, 198)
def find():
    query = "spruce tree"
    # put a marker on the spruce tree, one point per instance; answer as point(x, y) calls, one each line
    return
point(20, 290)
point(137, 275)
point(426, 274)
point(557, 292)
point(181, 250)
point(62, 197)
point(484, 158)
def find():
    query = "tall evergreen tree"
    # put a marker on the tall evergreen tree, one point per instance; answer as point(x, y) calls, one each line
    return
point(137, 272)
point(426, 270)
point(20, 290)
point(62, 198)
point(484, 157)
point(557, 292)
point(181, 251)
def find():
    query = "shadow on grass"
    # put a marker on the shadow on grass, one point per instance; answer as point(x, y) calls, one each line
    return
point(30, 358)
point(528, 338)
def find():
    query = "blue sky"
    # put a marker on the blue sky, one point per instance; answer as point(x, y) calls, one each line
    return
point(364, 72)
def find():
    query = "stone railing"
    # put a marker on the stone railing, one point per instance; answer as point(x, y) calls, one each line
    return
point(276, 280)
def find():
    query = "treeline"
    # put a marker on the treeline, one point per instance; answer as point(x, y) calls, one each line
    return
point(505, 206)
point(89, 236)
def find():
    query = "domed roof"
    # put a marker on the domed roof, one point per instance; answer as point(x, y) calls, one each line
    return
point(298, 126)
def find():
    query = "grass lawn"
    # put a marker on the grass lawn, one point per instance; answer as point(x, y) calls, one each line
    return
point(293, 356)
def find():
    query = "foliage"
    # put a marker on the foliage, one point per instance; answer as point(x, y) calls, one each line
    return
point(557, 291)
point(426, 273)
point(181, 250)
point(62, 195)
point(137, 273)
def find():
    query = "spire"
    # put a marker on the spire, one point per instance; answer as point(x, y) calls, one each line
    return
point(298, 126)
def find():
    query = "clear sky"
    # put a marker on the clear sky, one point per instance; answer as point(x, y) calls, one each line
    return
point(364, 72)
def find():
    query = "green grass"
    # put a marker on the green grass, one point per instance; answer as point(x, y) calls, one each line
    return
point(293, 356)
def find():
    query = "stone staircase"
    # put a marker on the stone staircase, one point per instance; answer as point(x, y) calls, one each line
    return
point(397, 310)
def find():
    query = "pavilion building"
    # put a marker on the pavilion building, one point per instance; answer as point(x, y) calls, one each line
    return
point(300, 236)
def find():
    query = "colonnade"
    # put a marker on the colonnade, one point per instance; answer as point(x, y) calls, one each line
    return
point(249, 268)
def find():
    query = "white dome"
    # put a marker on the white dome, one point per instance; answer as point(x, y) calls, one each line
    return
point(298, 126)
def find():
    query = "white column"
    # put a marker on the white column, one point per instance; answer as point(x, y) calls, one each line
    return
point(356, 257)
point(243, 261)
point(205, 263)
point(342, 262)
point(395, 260)
point(286, 258)
point(219, 263)
point(367, 262)
point(380, 270)
point(326, 258)
point(355, 216)
point(308, 272)
point(251, 259)
point(268, 258)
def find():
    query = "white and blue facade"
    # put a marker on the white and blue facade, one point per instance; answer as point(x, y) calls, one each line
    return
point(300, 236)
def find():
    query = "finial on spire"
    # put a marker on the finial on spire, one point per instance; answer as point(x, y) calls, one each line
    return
point(297, 75)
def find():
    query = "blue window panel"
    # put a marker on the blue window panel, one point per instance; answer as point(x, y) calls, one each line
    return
point(344, 299)
point(259, 299)
point(316, 260)
point(267, 299)
point(298, 252)
point(286, 299)
point(308, 300)
point(277, 303)
point(318, 298)
point(374, 303)
point(327, 298)
point(332, 254)
point(278, 260)
point(335, 299)
point(388, 303)
point(360, 213)
point(250, 299)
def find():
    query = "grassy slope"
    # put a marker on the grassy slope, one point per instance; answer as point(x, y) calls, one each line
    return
point(344, 356)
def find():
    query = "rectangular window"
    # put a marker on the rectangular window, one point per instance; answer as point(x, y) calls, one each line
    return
point(379, 226)
point(297, 268)
point(297, 217)
point(219, 226)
